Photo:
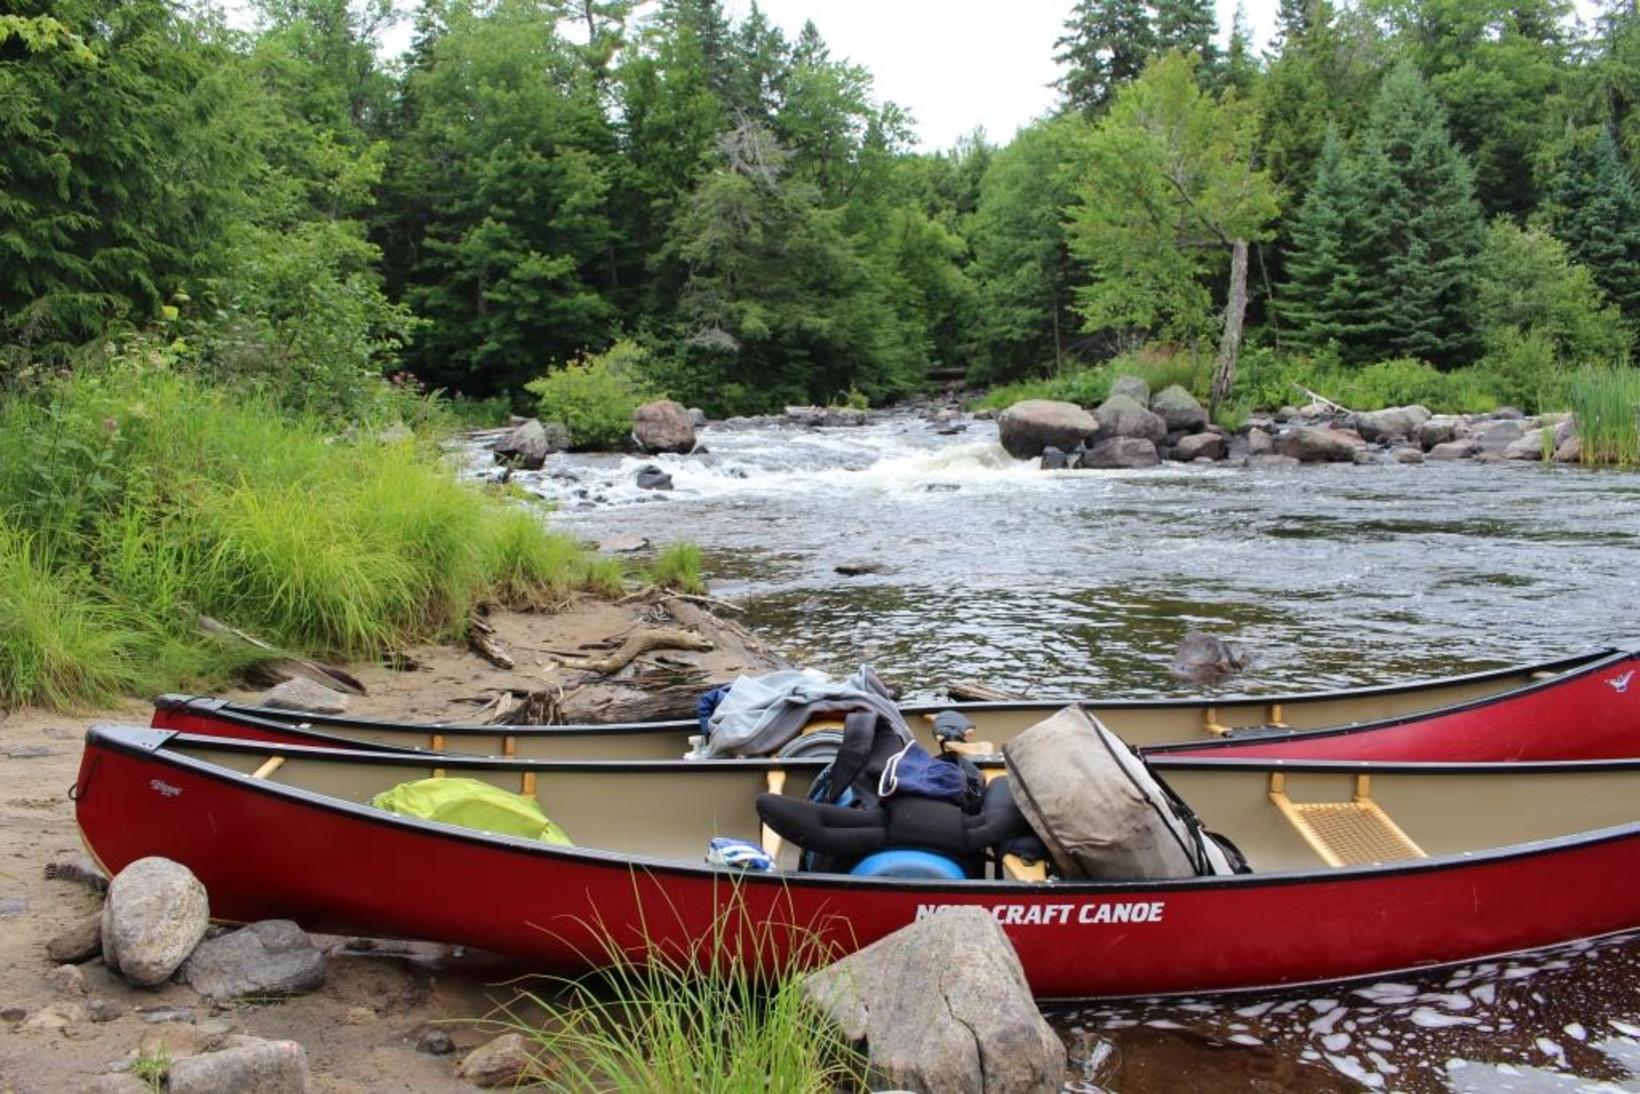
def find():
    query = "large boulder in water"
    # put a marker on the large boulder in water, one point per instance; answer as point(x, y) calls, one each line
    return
point(1390, 423)
point(1120, 452)
point(1206, 659)
point(1310, 444)
point(1179, 409)
point(1027, 427)
point(1120, 416)
point(1200, 446)
point(528, 446)
point(155, 915)
point(663, 426)
point(942, 1005)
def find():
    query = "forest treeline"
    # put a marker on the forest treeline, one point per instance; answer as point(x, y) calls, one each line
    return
point(1439, 194)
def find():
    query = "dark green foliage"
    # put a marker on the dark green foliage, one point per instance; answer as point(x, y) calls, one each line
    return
point(1596, 212)
point(1105, 45)
point(1187, 26)
point(1385, 246)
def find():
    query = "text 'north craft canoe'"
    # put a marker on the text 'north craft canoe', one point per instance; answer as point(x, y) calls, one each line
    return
point(1518, 856)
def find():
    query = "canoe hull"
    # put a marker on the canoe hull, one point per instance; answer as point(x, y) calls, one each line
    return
point(265, 852)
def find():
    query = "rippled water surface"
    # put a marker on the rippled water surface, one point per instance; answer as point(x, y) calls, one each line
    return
point(1084, 582)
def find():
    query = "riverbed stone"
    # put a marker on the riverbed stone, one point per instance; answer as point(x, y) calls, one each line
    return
point(1507, 414)
point(1410, 454)
point(1259, 442)
point(650, 477)
point(1179, 409)
point(1134, 387)
point(1120, 452)
point(506, 1061)
point(1270, 461)
point(1570, 450)
point(1497, 436)
point(274, 956)
point(663, 426)
point(156, 913)
point(697, 417)
point(1206, 658)
point(1310, 444)
point(306, 696)
point(528, 446)
point(1027, 427)
point(931, 1023)
point(1440, 429)
point(1455, 450)
point(79, 941)
point(1529, 447)
point(1391, 423)
point(1120, 416)
point(1054, 459)
point(262, 1067)
point(1197, 446)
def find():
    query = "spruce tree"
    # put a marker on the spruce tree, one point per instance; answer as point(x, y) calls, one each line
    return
point(1595, 210)
point(1322, 296)
point(1422, 230)
point(1188, 26)
point(1105, 45)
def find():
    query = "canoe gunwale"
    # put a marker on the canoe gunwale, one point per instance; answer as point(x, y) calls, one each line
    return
point(1565, 670)
point(152, 745)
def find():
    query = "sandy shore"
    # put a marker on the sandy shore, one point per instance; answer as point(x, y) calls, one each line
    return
point(59, 1029)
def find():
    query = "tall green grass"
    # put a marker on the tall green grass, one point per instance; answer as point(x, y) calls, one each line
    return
point(1606, 402)
point(730, 1017)
point(132, 501)
point(677, 566)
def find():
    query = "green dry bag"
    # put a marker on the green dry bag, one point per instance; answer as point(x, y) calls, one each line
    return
point(471, 804)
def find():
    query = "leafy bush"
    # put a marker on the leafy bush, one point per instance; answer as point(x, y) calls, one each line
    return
point(595, 396)
point(1530, 290)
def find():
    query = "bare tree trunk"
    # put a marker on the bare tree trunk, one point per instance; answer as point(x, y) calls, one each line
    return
point(1058, 350)
point(1235, 310)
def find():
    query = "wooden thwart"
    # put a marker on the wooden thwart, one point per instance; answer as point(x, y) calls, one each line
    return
point(771, 838)
point(1352, 833)
point(1017, 869)
point(269, 766)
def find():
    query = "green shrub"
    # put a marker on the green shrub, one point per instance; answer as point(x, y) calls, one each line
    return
point(1523, 370)
point(1606, 402)
point(595, 396)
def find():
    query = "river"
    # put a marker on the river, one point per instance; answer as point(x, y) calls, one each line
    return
point(1082, 583)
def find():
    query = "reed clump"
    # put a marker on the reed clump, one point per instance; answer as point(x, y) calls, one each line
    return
point(134, 500)
point(730, 1017)
point(1606, 405)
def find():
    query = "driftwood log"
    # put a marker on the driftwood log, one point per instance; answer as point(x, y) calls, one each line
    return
point(637, 644)
point(973, 690)
point(481, 639)
point(280, 665)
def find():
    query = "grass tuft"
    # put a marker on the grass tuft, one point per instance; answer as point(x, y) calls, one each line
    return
point(1606, 403)
point(678, 567)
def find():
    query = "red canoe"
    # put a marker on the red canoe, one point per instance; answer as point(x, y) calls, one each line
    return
point(1518, 856)
point(1571, 709)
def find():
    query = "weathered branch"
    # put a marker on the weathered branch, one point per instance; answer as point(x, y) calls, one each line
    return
point(636, 645)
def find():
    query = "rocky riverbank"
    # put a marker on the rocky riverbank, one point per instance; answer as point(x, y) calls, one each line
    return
point(364, 1015)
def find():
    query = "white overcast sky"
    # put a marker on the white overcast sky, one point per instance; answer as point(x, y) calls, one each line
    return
point(956, 64)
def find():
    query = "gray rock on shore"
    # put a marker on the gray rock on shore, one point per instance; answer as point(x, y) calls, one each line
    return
point(506, 1061)
point(256, 1067)
point(1199, 446)
point(528, 446)
point(1133, 387)
point(274, 956)
point(156, 913)
point(1391, 423)
point(1309, 444)
point(1027, 427)
point(306, 696)
point(942, 1005)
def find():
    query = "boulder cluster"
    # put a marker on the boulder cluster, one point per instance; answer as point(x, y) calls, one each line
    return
point(1132, 429)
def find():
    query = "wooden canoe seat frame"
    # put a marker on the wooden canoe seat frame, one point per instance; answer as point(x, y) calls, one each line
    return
point(1353, 833)
point(1272, 720)
point(269, 766)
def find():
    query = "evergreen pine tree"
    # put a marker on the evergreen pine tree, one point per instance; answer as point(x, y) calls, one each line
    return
point(1595, 210)
point(1240, 67)
point(1421, 232)
point(1188, 26)
point(1105, 45)
point(1322, 294)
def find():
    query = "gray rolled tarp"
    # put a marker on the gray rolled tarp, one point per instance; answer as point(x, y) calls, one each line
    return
point(762, 713)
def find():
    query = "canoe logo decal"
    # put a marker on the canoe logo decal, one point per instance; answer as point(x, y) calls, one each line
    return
point(1620, 684)
point(164, 788)
point(1041, 915)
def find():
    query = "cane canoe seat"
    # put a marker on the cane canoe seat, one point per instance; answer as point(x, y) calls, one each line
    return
point(1352, 833)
